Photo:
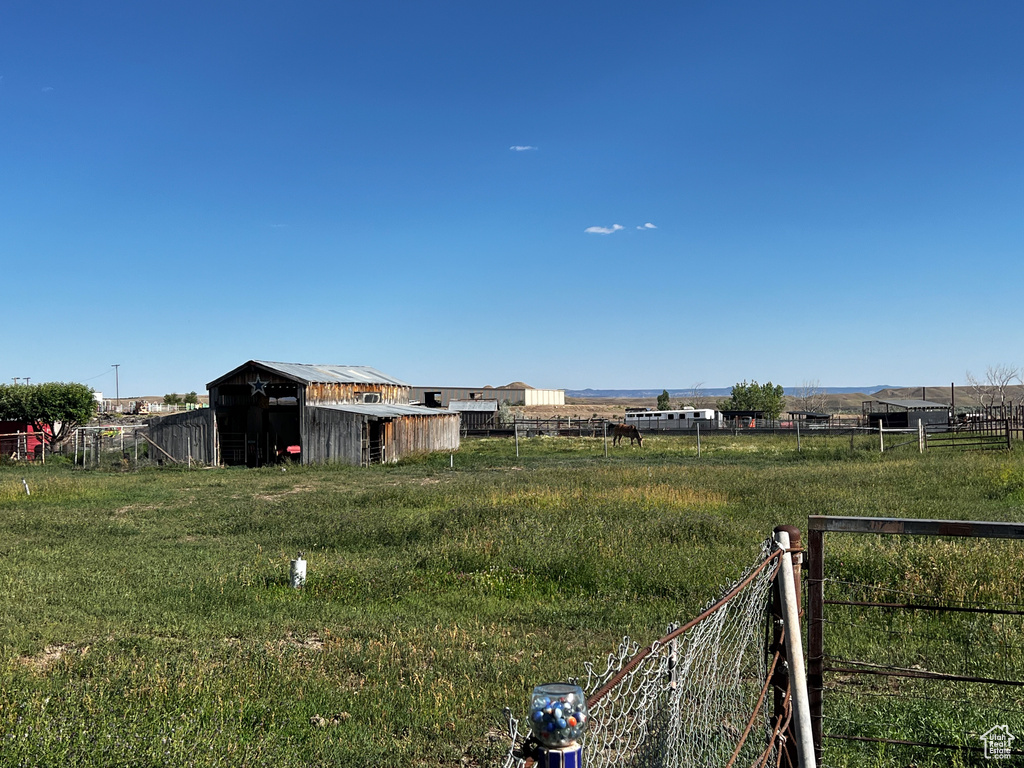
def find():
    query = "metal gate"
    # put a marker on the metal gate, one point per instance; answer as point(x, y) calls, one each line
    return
point(915, 665)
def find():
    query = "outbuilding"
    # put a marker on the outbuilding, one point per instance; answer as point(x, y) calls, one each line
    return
point(905, 414)
point(516, 393)
point(265, 412)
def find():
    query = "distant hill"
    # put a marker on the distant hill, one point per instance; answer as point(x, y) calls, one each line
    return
point(713, 391)
point(837, 399)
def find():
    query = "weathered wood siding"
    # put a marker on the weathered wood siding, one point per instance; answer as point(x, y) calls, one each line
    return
point(183, 434)
point(330, 436)
point(424, 434)
point(329, 393)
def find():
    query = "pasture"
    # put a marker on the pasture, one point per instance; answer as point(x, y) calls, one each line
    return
point(146, 617)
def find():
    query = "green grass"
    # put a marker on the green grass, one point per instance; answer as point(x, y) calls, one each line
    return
point(146, 618)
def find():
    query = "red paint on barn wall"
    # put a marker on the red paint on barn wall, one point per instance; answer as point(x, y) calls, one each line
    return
point(21, 439)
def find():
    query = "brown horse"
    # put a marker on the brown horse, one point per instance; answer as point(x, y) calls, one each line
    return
point(620, 431)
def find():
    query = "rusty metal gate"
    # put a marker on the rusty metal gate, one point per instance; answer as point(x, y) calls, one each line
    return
point(908, 658)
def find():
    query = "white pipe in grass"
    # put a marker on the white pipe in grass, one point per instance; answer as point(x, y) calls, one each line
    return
point(297, 572)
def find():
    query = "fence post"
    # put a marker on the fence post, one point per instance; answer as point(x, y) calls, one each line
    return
point(794, 653)
point(604, 430)
point(1008, 445)
point(781, 681)
point(797, 421)
point(815, 631)
point(881, 438)
point(698, 441)
point(920, 437)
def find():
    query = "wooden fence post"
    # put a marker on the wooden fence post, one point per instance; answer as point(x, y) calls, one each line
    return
point(815, 631)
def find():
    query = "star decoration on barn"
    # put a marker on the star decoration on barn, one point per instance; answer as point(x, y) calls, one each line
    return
point(259, 387)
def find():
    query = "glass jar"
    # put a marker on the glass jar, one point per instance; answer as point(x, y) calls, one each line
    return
point(558, 714)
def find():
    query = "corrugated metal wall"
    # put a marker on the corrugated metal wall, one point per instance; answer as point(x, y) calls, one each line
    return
point(182, 434)
point(544, 397)
point(513, 396)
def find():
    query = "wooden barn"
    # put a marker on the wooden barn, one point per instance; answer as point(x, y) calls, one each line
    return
point(264, 413)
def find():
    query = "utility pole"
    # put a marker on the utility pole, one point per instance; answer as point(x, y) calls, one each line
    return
point(15, 379)
point(117, 386)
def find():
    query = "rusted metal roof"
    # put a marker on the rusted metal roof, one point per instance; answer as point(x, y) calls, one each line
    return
point(321, 374)
point(386, 410)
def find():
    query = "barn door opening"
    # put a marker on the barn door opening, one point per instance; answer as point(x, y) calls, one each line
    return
point(373, 442)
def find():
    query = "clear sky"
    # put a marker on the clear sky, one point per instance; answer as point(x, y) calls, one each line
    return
point(600, 194)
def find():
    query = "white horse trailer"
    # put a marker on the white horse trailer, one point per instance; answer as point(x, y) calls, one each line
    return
point(686, 418)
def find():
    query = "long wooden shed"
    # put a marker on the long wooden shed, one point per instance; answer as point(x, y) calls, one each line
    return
point(265, 412)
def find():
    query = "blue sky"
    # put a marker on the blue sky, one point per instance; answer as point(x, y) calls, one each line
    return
point(604, 195)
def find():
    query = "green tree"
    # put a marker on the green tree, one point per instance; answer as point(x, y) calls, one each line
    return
point(15, 402)
point(54, 408)
point(768, 398)
point(172, 399)
point(191, 398)
point(663, 401)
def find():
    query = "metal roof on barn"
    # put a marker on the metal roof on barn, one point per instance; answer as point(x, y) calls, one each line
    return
point(915, 405)
point(320, 374)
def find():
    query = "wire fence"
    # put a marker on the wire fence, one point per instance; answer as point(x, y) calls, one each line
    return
point(697, 696)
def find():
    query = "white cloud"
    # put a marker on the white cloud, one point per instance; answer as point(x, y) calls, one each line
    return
point(603, 230)
point(521, 147)
point(47, 89)
point(648, 225)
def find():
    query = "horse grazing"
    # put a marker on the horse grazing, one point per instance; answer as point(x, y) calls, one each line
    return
point(620, 431)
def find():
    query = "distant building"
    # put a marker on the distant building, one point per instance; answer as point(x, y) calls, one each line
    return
point(263, 412)
point(476, 414)
point(904, 414)
point(516, 393)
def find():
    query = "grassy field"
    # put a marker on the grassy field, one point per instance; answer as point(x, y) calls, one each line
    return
point(146, 617)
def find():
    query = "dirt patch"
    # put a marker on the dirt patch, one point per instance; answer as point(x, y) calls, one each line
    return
point(282, 494)
point(312, 643)
point(134, 508)
point(50, 655)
